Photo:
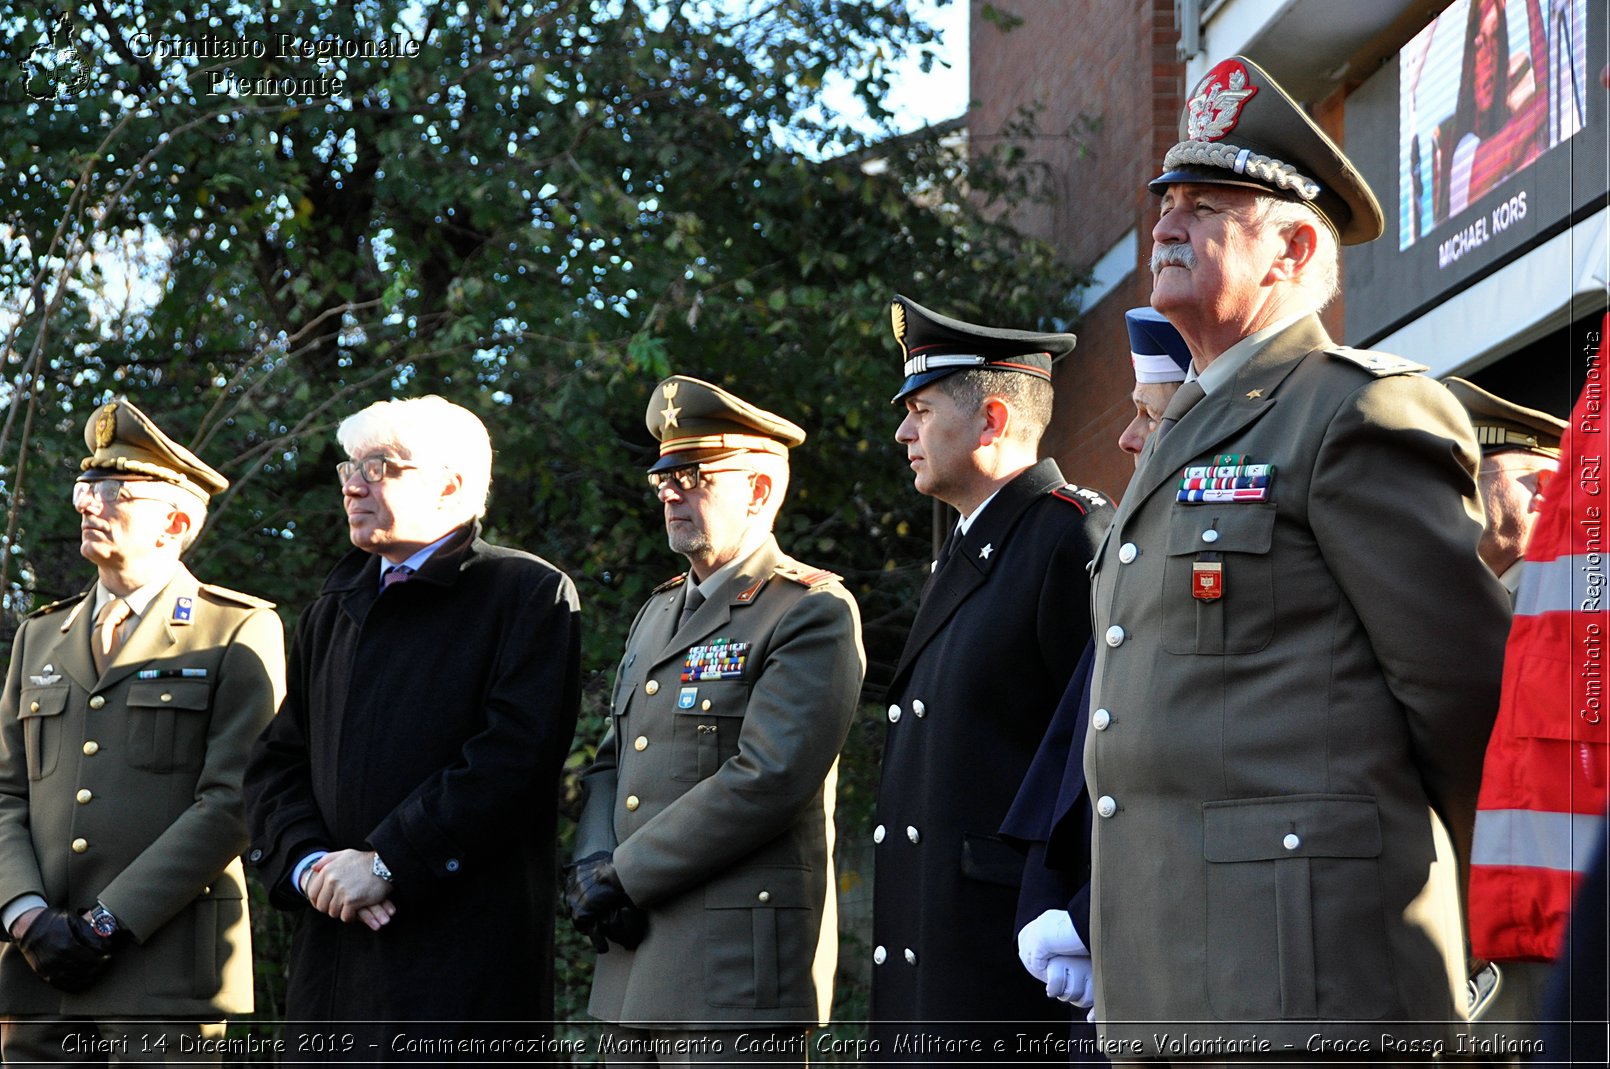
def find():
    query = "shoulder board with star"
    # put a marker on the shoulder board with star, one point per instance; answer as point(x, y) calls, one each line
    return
point(57, 606)
point(223, 593)
point(1380, 365)
point(810, 577)
point(1080, 497)
point(670, 584)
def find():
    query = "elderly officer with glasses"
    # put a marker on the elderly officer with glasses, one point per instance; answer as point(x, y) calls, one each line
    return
point(128, 713)
point(403, 802)
point(704, 869)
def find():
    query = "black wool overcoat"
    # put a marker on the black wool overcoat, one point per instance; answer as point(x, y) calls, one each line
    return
point(428, 723)
point(998, 633)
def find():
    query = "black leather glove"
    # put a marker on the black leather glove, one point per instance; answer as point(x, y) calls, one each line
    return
point(64, 950)
point(592, 889)
point(593, 893)
point(626, 926)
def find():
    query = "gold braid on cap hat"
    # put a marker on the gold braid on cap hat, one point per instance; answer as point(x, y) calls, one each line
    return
point(139, 467)
point(754, 443)
point(1241, 161)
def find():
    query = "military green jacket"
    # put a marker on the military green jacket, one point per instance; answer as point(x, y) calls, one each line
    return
point(716, 780)
point(1289, 709)
point(125, 789)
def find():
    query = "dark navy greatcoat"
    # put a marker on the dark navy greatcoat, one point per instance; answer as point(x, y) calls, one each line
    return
point(428, 723)
point(997, 636)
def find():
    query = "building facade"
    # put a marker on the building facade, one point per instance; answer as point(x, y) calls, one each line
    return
point(1496, 258)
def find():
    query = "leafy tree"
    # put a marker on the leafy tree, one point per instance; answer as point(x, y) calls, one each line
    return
point(545, 210)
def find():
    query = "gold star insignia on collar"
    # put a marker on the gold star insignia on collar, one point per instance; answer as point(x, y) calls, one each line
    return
point(1253, 395)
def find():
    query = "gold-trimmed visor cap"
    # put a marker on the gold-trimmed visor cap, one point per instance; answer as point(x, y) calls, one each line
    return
point(696, 422)
point(1240, 128)
point(1502, 424)
point(122, 440)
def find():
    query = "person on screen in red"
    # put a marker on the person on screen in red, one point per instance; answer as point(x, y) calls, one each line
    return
point(1489, 142)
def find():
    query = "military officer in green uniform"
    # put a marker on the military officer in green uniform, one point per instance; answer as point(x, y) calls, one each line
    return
point(1520, 449)
point(124, 727)
point(705, 845)
point(1298, 648)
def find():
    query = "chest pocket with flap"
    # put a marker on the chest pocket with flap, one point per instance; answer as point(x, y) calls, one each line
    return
point(167, 723)
point(1242, 619)
point(40, 709)
point(705, 735)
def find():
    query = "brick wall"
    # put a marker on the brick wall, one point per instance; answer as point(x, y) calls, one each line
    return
point(1110, 87)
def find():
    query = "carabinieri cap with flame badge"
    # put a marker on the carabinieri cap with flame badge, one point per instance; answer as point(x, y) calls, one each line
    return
point(1239, 128)
point(933, 346)
point(697, 422)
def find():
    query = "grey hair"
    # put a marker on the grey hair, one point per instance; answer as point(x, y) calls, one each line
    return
point(776, 467)
point(430, 429)
point(1323, 275)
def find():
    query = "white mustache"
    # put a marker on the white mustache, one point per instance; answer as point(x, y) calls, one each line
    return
point(1173, 256)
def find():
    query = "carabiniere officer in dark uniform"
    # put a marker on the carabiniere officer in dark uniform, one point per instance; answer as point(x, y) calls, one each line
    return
point(997, 635)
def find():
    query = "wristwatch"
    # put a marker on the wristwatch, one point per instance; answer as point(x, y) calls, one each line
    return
point(379, 869)
point(102, 920)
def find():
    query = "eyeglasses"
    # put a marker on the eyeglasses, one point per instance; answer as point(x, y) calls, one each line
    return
point(108, 492)
point(372, 468)
point(688, 479)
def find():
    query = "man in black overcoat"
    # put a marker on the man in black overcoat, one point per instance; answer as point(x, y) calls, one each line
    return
point(997, 635)
point(403, 802)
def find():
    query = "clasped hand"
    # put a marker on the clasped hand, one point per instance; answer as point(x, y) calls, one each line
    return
point(599, 906)
point(62, 948)
point(1050, 949)
point(342, 884)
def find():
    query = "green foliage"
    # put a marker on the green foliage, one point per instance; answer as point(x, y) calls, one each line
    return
point(550, 208)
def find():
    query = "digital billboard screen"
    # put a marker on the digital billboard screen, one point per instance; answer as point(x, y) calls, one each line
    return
point(1483, 135)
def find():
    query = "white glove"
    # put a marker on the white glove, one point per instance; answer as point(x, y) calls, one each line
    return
point(1069, 979)
point(1045, 937)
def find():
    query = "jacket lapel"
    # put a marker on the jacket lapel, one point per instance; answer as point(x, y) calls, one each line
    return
point(71, 651)
point(1225, 412)
point(363, 591)
point(975, 555)
point(738, 590)
point(154, 634)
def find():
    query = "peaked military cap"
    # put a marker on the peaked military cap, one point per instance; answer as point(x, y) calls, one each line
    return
point(1239, 128)
point(934, 346)
point(1502, 424)
point(696, 422)
point(123, 441)
point(1155, 347)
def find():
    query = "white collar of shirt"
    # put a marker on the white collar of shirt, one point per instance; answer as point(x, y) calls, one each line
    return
point(967, 521)
point(746, 549)
point(138, 601)
point(1223, 369)
point(414, 563)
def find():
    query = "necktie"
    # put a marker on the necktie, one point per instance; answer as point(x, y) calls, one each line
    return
point(691, 600)
point(397, 573)
point(1185, 399)
point(109, 632)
